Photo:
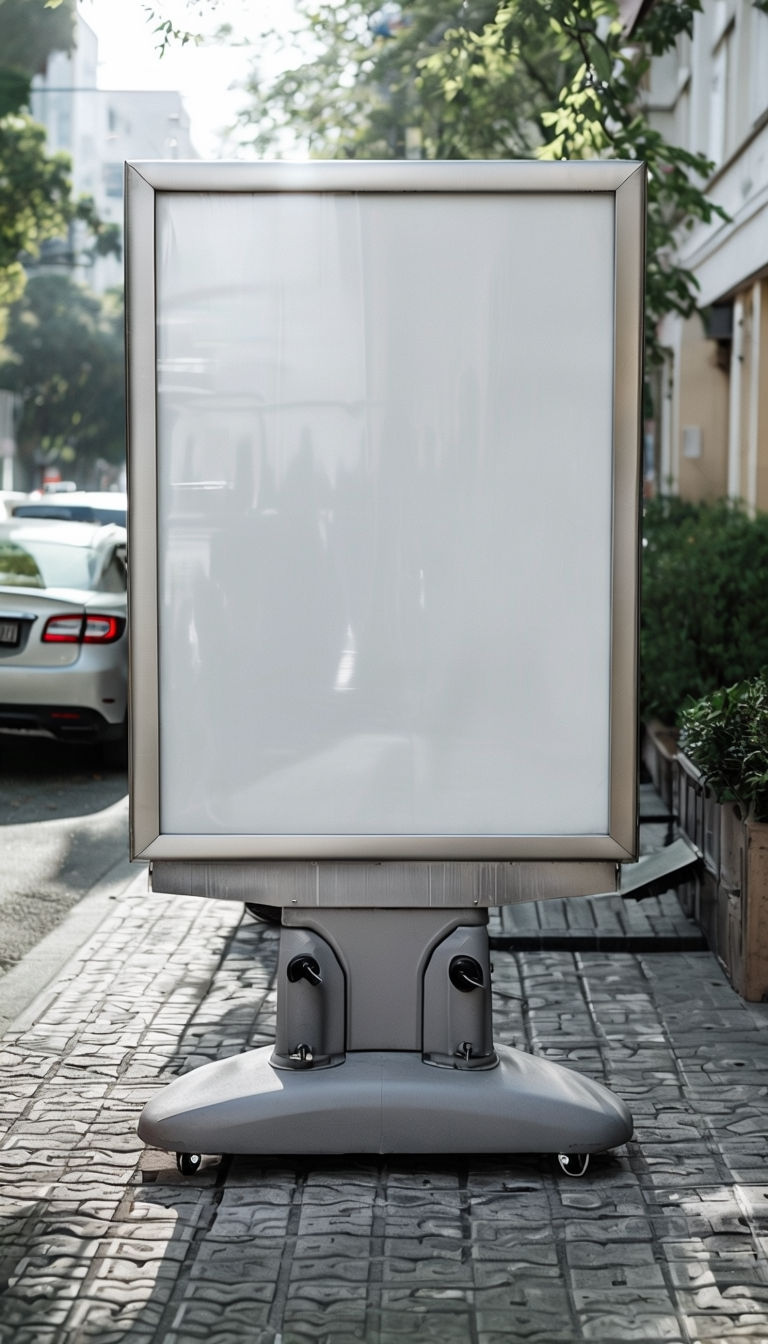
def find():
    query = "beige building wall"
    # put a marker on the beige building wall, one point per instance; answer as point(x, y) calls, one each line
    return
point(712, 98)
point(702, 410)
point(761, 399)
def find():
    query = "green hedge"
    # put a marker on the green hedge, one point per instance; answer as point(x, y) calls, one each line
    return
point(725, 734)
point(704, 606)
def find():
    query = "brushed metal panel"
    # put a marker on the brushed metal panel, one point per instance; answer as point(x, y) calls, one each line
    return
point(383, 885)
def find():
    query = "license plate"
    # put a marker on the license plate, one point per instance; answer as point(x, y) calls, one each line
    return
point(9, 632)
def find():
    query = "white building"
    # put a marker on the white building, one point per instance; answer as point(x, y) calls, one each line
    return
point(711, 96)
point(100, 129)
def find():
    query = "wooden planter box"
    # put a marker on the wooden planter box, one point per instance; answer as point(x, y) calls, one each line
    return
point(658, 750)
point(728, 898)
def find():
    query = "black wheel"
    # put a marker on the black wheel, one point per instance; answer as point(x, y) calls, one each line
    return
point(188, 1163)
point(265, 914)
point(573, 1164)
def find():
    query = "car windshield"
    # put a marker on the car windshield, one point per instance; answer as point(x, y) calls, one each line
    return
point(47, 564)
point(75, 513)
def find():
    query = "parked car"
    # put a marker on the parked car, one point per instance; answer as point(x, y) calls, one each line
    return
point(10, 500)
point(63, 641)
point(78, 506)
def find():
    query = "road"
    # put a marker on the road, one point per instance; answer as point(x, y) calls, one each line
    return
point(64, 819)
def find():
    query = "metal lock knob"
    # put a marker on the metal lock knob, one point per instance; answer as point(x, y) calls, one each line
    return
point(466, 974)
point(304, 968)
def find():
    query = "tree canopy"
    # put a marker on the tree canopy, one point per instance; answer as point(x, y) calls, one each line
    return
point(36, 201)
point(552, 79)
point(64, 357)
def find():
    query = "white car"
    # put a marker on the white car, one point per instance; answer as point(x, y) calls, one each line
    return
point(63, 639)
point(78, 506)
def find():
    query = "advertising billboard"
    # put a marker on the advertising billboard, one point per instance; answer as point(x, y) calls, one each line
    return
point(383, 478)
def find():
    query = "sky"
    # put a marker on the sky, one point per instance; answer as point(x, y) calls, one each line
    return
point(128, 58)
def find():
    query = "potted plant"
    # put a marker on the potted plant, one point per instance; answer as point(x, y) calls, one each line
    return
point(724, 752)
point(704, 619)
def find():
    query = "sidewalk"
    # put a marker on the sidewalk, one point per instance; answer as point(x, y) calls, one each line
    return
point(104, 1241)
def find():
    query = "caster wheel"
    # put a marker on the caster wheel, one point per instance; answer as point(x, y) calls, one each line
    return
point(573, 1164)
point(188, 1163)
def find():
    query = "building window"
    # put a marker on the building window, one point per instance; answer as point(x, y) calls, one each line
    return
point(113, 179)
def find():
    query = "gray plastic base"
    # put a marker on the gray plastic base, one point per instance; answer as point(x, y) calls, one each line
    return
point(385, 1102)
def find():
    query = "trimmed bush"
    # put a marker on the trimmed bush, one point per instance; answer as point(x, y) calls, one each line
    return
point(725, 734)
point(704, 606)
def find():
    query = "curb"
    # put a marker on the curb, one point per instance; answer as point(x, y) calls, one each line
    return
point(598, 942)
point(27, 985)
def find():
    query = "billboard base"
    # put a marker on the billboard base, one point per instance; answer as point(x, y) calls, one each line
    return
point(384, 1045)
point(384, 1102)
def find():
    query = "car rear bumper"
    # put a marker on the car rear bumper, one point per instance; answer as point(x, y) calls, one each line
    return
point(65, 722)
point(95, 688)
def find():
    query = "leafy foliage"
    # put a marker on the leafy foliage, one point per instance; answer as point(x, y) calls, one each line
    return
point(31, 31)
point(35, 202)
point(66, 363)
point(555, 79)
point(704, 619)
point(446, 77)
point(35, 188)
point(600, 114)
point(725, 734)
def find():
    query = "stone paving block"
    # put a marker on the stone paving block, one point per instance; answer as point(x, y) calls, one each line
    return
point(30, 1334)
point(101, 1328)
point(426, 1299)
point(337, 1244)
point(453, 1326)
point(37, 1305)
point(509, 1208)
point(725, 1254)
point(625, 1255)
point(604, 1279)
point(754, 1200)
point(399, 1227)
point(524, 1264)
point(199, 1319)
point(259, 1224)
point(538, 1301)
point(615, 1231)
point(599, 1199)
point(724, 1329)
point(233, 1263)
point(331, 1174)
point(338, 1269)
point(519, 1176)
point(496, 1241)
point(339, 1199)
point(614, 1327)
point(500, 1327)
point(320, 1304)
point(227, 1299)
point(428, 1268)
point(738, 1298)
point(422, 1178)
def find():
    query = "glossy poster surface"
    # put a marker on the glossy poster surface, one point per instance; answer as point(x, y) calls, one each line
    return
point(384, 476)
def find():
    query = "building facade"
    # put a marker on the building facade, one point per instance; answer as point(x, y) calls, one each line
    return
point(100, 129)
point(711, 96)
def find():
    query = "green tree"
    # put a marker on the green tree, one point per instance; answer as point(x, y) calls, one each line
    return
point(35, 187)
point(30, 30)
point(64, 358)
point(554, 79)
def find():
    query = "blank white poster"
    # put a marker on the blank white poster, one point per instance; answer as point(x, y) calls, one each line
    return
point(384, 452)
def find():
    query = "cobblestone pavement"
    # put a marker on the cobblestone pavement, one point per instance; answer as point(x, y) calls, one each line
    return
point(104, 1241)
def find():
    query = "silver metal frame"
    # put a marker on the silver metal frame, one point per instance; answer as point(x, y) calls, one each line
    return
point(626, 183)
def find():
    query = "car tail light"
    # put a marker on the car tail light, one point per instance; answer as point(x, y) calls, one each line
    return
point(76, 628)
point(102, 629)
point(63, 630)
